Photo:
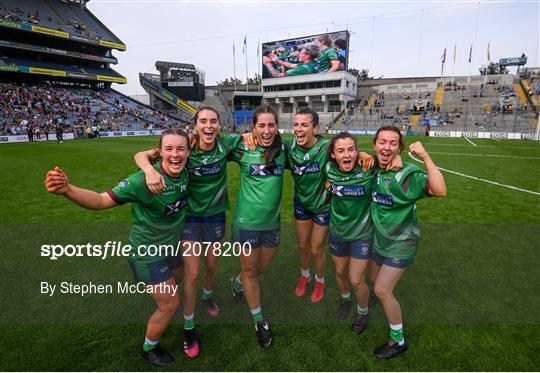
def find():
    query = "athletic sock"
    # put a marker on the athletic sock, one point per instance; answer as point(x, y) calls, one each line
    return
point(149, 345)
point(237, 284)
point(346, 296)
point(396, 334)
point(361, 311)
point(207, 294)
point(319, 279)
point(305, 272)
point(189, 321)
point(257, 315)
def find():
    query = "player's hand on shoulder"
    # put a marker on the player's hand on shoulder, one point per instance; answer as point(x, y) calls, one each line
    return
point(57, 182)
point(250, 140)
point(395, 164)
point(366, 160)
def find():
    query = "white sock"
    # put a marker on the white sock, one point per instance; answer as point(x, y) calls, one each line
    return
point(151, 343)
point(305, 272)
point(346, 295)
point(319, 279)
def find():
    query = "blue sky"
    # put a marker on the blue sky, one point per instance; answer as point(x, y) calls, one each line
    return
point(391, 38)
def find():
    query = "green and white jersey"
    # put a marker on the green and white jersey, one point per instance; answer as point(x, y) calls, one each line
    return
point(325, 58)
point(394, 211)
point(350, 207)
point(307, 170)
point(208, 178)
point(303, 69)
point(259, 198)
point(157, 219)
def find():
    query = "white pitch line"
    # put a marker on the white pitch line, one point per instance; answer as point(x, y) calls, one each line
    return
point(496, 140)
point(477, 178)
point(470, 141)
point(485, 155)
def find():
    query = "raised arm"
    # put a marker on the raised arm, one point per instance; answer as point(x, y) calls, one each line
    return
point(437, 186)
point(154, 180)
point(57, 182)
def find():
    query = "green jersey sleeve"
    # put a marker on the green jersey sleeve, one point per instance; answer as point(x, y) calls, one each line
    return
point(129, 189)
point(231, 142)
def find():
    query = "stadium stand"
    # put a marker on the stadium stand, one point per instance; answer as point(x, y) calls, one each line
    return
point(501, 103)
point(43, 106)
point(56, 15)
point(55, 59)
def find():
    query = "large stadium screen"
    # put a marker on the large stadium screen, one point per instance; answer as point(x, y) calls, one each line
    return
point(315, 54)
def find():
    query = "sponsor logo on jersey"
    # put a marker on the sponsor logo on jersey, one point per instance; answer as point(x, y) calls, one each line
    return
point(210, 159)
point(347, 191)
point(175, 207)
point(265, 170)
point(312, 168)
point(123, 184)
point(213, 169)
point(383, 199)
point(171, 189)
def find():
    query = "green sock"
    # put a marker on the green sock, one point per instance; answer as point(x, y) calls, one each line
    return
point(237, 284)
point(396, 334)
point(189, 322)
point(257, 315)
point(361, 311)
point(149, 345)
point(206, 294)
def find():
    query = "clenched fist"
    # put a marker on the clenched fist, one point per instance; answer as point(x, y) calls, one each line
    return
point(418, 149)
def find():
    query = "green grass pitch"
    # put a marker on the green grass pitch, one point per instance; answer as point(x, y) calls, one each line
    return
point(470, 301)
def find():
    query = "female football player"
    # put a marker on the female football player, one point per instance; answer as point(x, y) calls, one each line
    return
point(157, 220)
point(396, 233)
